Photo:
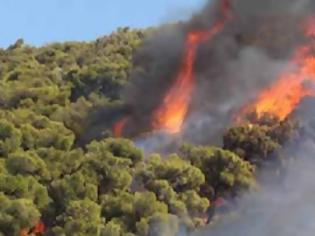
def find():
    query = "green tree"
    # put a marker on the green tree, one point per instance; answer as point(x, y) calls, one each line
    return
point(111, 162)
point(72, 188)
point(61, 163)
point(27, 163)
point(251, 142)
point(16, 214)
point(225, 172)
point(131, 213)
point(171, 180)
point(81, 218)
point(10, 137)
point(18, 186)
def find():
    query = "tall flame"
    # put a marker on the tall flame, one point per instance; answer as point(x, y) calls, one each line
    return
point(170, 115)
point(293, 85)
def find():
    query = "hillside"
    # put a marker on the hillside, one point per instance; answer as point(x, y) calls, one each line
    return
point(52, 184)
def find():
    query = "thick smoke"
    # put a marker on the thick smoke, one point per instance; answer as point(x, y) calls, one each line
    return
point(284, 206)
point(230, 70)
point(244, 59)
point(282, 210)
point(254, 47)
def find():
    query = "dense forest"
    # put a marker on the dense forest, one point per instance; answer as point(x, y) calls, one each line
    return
point(53, 184)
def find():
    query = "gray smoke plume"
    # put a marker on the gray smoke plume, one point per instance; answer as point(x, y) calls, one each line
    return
point(282, 208)
point(230, 70)
point(244, 59)
point(247, 56)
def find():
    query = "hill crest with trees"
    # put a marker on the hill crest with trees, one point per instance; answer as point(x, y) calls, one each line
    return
point(52, 184)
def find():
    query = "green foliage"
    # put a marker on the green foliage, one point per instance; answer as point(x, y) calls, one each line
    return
point(132, 212)
point(65, 81)
point(24, 187)
point(10, 137)
point(171, 180)
point(261, 143)
point(16, 214)
point(251, 142)
point(81, 218)
point(70, 188)
point(112, 229)
point(27, 163)
point(103, 67)
point(225, 172)
point(105, 187)
point(180, 174)
point(111, 162)
point(61, 163)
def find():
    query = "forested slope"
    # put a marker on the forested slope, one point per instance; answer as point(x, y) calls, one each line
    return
point(51, 184)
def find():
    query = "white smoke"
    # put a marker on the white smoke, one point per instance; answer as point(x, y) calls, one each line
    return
point(285, 208)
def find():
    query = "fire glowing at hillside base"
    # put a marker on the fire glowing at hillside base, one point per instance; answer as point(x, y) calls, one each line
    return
point(293, 85)
point(170, 115)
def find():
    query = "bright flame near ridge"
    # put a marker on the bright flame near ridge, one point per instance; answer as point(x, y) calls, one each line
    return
point(170, 115)
point(292, 86)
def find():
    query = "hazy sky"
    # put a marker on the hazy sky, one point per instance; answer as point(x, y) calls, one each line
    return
point(42, 21)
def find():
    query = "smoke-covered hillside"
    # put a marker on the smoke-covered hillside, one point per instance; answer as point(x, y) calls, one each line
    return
point(195, 128)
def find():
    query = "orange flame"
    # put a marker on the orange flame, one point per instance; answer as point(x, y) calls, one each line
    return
point(119, 126)
point(286, 93)
point(170, 115)
point(38, 229)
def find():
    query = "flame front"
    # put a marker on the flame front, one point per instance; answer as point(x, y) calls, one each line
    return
point(293, 85)
point(170, 115)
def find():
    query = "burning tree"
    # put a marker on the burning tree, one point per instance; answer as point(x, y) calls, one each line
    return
point(61, 173)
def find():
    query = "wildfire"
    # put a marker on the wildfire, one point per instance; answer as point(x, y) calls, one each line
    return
point(119, 126)
point(170, 115)
point(38, 229)
point(293, 85)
